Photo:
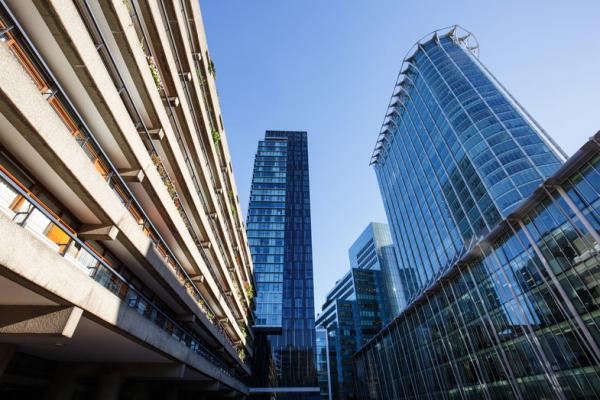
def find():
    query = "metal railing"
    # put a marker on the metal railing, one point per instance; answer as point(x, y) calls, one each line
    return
point(174, 121)
point(35, 65)
point(104, 273)
point(199, 68)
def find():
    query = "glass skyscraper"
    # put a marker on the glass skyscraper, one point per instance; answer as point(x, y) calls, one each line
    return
point(279, 235)
point(352, 314)
point(323, 364)
point(358, 306)
point(502, 236)
point(455, 155)
point(374, 249)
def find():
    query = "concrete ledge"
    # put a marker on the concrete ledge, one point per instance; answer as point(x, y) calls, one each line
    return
point(50, 275)
point(156, 134)
point(98, 232)
point(132, 175)
point(32, 321)
point(172, 101)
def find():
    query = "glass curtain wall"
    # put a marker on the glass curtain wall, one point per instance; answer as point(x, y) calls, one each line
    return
point(519, 318)
point(279, 232)
point(456, 154)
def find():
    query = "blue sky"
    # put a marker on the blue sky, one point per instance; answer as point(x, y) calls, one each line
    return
point(329, 67)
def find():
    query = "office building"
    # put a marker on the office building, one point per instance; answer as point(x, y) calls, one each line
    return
point(323, 363)
point(351, 315)
point(125, 270)
point(357, 307)
point(374, 250)
point(502, 235)
point(455, 155)
point(279, 234)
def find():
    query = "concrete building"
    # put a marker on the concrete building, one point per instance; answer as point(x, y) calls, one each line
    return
point(124, 264)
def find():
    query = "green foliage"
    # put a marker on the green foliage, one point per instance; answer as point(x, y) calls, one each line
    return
point(154, 72)
point(216, 136)
point(241, 354)
point(211, 68)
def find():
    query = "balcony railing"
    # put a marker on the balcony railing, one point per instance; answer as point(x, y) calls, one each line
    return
point(198, 66)
point(174, 121)
point(213, 130)
point(25, 209)
point(33, 63)
point(121, 86)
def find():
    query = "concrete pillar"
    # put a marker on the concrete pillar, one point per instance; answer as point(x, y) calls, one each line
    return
point(171, 393)
point(156, 134)
point(63, 385)
point(7, 350)
point(108, 387)
point(132, 175)
point(140, 391)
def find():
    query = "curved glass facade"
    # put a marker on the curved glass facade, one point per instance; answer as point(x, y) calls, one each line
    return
point(518, 318)
point(456, 155)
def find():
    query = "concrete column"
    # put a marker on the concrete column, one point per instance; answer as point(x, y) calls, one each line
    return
point(140, 391)
point(132, 175)
point(108, 387)
point(6, 352)
point(63, 385)
point(172, 393)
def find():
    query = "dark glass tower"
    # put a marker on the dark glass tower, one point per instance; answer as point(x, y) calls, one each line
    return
point(279, 232)
point(455, 155)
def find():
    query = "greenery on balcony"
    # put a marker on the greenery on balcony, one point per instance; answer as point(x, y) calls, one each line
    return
point(211, 68)
point(216, 136)
point(249, 292)
point(234, 211)
point(205, 310)
point(241, 354)
point(154, 72)
point(165, 178)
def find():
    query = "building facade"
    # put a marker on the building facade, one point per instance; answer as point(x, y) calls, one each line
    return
point(357, 307)
point(323, 364)
point(352, 314)
point(279, 234)
point(456, 154)
point(124, 264)
point(374, 250)
point(506, 307)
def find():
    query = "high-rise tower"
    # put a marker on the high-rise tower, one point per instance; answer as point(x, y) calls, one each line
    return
point(358, 306)
point(374, 250)
point(505, 299)
point(455, 155)
point(279, 234)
